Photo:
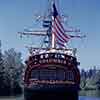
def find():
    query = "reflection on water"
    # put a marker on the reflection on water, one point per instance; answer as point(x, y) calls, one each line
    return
point(88, 98)
point(89, 95)
point(93, 93)
point(80, 98)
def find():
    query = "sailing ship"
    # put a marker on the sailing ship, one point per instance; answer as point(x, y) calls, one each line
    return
point(52, 70)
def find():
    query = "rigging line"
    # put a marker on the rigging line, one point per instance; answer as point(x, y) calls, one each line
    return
point(42, 41)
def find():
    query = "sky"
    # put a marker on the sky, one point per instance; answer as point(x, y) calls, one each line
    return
point(15, 15)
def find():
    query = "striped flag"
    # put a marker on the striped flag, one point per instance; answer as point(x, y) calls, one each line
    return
point(58, 30)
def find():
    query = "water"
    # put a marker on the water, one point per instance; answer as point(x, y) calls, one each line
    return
point(80, 98)
point(89, 93)
point(88, 98)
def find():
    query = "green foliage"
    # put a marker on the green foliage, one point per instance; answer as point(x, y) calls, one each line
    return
point(11, 70)
point(90, 80)
point(97, 80)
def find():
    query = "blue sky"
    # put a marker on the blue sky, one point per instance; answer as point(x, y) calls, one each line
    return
point(15, 15)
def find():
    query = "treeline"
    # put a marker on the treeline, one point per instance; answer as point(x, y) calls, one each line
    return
point(11, 68)
point(90, 79)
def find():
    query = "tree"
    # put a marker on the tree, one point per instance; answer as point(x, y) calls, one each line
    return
point(3, 90)
point(1, 67)
point(97, 79)
point(83, 78)
point(13, 68)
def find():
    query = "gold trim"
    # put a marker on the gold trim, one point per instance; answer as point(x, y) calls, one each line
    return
point(50, 82)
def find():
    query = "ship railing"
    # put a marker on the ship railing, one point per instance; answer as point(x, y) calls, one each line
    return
point(35, 51)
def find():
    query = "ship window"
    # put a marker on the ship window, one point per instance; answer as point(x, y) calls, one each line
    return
point(60, 74)
point(69, 75)
point(46, 74)
point(35, 74)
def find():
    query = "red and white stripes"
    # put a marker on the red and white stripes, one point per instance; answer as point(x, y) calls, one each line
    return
point(58, 30)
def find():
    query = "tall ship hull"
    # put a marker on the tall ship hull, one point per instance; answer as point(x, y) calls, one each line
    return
point(52, 74)
point(52, 71)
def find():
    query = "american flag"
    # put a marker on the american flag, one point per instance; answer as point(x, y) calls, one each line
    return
point(58, 30)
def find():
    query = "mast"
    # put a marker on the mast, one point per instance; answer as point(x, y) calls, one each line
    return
point(53, 45)
point(47, 20)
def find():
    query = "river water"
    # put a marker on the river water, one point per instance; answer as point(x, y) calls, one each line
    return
point(80, 98)
point(88, 98)
point(88, 95)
